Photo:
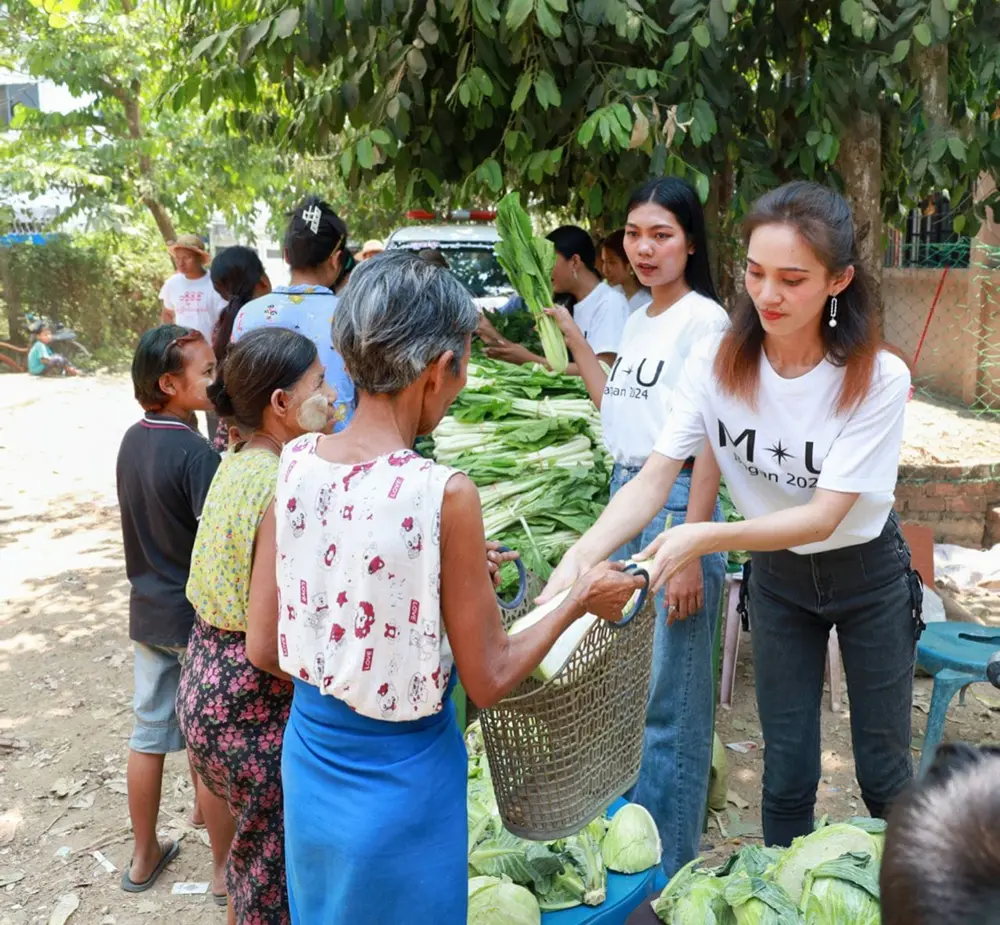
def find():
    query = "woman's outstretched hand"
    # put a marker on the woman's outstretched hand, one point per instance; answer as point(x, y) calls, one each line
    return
point(566, 572)
point(675, 550)
point(605, 589)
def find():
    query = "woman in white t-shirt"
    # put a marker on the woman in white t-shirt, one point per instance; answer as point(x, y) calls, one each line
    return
point(666, 243)
point(803, 411)
point(617, 271)
point(599, 310)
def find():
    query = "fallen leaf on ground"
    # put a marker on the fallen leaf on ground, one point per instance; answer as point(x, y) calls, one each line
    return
point(118, 786)
point(85, 802)
point(9, 821)
point(733, 797)
point(67, 905)
point(9, 875)
point(67, 788)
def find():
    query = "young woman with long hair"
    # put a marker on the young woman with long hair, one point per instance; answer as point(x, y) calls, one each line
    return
point(803, 410)
point(666, 244)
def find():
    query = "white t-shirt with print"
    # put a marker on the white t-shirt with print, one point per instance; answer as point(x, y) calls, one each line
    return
point(602, 316)
point(639, 391)
point(641, 298)
point(194, 302)
point(776, 456)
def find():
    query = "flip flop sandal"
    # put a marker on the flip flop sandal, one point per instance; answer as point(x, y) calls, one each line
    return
point(130, 886)
point(220, 899)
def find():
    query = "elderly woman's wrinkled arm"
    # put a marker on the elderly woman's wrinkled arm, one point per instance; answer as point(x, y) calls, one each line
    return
point(262, 613)
point(491, 663)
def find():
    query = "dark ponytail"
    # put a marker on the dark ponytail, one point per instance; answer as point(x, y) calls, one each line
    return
point(570, 241)
point(236, 273)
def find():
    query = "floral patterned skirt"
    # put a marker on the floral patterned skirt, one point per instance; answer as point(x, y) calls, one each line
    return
point(233, 717)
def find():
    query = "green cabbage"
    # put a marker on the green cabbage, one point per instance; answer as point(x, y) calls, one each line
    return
point(842, 892)
point(754, 860)
point(493, 901)
point(825, 844)
point(756, 901)
point(875, 828)
point(632, 843)
point(694, 897)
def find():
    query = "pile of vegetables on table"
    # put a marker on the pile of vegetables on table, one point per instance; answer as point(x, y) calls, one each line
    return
point(827, 878)
point(513, 880)
point(531, 441)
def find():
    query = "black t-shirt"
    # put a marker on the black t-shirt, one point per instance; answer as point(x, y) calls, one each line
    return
point(164, 471)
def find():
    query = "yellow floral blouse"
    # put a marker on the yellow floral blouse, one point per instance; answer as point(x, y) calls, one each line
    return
point(219, 582)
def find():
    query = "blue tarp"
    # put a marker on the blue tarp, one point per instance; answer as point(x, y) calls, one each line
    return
point(8, 240)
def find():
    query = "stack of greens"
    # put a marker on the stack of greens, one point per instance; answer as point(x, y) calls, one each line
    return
point(512, 880)
point(531, 440)
point(528, 262)
point(827, 878)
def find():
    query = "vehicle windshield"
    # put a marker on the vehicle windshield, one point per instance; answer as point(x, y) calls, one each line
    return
point(477, 268)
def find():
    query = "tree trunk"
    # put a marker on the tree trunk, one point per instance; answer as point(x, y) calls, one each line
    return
point(860, 166)
point(932, 66)
point(161, 218)
point(12, 300)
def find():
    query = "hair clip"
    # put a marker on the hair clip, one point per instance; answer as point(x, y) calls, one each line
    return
point(311, 217)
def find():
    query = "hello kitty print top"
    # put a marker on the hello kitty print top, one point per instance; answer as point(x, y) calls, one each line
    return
point(359, 579)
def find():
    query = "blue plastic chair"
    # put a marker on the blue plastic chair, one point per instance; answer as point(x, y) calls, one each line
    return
point(956, 654)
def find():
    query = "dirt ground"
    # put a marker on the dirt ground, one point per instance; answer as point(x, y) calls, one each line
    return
point(66, 675)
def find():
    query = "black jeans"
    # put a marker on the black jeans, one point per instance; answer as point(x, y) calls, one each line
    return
point(872, 596)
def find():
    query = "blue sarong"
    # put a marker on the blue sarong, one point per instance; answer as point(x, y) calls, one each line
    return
point(376, 829)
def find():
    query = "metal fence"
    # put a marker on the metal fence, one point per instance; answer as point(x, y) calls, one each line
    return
point(942, 311)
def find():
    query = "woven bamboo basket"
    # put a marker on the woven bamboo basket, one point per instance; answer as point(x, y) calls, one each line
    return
point(562, 751)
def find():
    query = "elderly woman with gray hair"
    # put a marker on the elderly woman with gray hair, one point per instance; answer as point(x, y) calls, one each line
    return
point(384, 591)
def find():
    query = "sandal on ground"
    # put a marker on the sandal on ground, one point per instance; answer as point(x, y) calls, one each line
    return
point(220, 899)
point(130, 886)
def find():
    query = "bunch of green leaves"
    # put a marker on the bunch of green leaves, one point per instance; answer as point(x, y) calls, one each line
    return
point(528, 262)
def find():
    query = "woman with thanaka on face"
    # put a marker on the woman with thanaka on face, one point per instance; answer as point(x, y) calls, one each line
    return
point(599, 310)
point(383, 590)
point(666, 243)
point(803, 411)
point(233, 699)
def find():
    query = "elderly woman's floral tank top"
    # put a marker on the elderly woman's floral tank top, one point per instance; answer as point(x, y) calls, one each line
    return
point(359, 579)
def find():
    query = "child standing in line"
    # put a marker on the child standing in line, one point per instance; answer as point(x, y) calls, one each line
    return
point(164, 471)
point(41, 359)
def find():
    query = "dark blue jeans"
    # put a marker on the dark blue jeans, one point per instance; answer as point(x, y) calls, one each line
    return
point(869, 593)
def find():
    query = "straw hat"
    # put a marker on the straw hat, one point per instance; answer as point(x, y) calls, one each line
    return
point(370, 248)
point(190, 242)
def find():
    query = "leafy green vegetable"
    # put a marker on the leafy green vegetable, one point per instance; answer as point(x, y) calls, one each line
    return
point(754, 860)
point(694, 897)
point(756, 901)
point(493, 901)
point(842, 892)
point(825, 844)
point(632, 843)
point(583, 878)
point(528, 262)
point(718, 781)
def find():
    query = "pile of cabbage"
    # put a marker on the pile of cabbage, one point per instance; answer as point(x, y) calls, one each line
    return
point(513, 880)
point(531, 440)
point(827, 878)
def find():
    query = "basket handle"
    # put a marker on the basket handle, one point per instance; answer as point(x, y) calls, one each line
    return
point(642, 573)
point(522, 586)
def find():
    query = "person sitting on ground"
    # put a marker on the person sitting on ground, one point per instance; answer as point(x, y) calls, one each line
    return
point(41, 359)
point(941, 864)
point(163, 473)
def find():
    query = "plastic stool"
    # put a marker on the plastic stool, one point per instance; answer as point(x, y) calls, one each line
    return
point(956, 655)
point(733, 631)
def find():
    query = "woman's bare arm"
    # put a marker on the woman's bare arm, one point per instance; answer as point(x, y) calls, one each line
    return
point(262, 614)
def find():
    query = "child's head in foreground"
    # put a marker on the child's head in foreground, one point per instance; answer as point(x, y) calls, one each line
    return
point(172, 369)
point(941, 864)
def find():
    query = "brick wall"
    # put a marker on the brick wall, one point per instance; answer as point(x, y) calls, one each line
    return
point(961, 504)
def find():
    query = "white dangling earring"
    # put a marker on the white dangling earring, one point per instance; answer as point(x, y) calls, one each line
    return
point(833, 311)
